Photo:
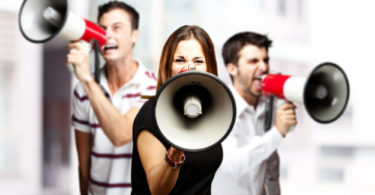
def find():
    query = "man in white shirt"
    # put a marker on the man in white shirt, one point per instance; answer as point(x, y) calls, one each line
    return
point(103, 113)
point(251, 163)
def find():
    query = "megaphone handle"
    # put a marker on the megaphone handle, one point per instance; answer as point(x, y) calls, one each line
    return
point(268, 113)
point(97, 61)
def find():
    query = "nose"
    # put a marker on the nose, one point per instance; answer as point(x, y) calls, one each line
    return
point(263, 68)
point(108, 33)
point(191, 66)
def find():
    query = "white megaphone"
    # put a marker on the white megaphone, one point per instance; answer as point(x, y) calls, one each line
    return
point(194, 111)
point(42, 20)
point(325, 92)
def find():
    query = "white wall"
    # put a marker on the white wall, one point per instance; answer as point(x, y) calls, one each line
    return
point(20, 132)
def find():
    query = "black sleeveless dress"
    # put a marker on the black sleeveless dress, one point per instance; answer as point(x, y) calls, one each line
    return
point(196, 174)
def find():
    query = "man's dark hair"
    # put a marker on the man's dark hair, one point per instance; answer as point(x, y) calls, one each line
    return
point(109, 6)
point(234, 44)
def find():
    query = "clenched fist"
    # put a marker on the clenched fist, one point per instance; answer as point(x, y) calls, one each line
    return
point(79, 56)
point(286, 117)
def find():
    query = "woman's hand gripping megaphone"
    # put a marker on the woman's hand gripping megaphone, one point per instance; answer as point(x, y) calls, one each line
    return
point(174, 157)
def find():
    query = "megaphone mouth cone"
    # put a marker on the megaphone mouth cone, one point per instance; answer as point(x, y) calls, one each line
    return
point(335, 96)
point(200, 133)
point(29, 23)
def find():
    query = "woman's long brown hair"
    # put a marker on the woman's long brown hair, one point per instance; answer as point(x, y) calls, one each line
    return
point(186, 32)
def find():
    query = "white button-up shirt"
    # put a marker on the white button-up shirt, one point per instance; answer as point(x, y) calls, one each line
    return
point(246, 152)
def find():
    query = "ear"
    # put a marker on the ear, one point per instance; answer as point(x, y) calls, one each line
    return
point(135, 36)
point(232, 69)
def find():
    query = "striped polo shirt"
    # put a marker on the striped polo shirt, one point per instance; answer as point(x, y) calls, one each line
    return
point(111, 166)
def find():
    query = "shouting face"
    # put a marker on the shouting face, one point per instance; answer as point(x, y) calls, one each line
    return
point(253, 62)
point(120, 35)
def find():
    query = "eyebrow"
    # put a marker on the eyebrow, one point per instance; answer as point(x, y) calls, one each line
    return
point(252, 59)
point(115, 23)
point(198, 57)
point(193, 58)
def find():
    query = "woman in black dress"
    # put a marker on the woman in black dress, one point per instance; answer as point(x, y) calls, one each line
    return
point(157, 167)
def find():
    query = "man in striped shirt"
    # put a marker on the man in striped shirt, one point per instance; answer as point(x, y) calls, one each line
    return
point(103, 113)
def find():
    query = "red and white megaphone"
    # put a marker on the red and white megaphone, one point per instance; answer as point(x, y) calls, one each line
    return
point(42, 20)
point(325, 92)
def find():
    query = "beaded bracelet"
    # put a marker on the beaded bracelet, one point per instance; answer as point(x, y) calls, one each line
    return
point(174, 164)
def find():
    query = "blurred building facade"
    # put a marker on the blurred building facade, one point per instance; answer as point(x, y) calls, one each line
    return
point(37, 155)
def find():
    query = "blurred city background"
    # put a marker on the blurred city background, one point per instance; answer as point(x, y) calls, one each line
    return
point(37, 152)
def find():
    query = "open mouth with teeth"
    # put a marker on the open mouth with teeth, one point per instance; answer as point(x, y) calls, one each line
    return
point(109, 47)
point(257, 81)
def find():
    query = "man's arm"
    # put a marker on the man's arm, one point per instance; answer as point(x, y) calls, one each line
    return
point(83, 143)
point(237, 160)
point(116, 126)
